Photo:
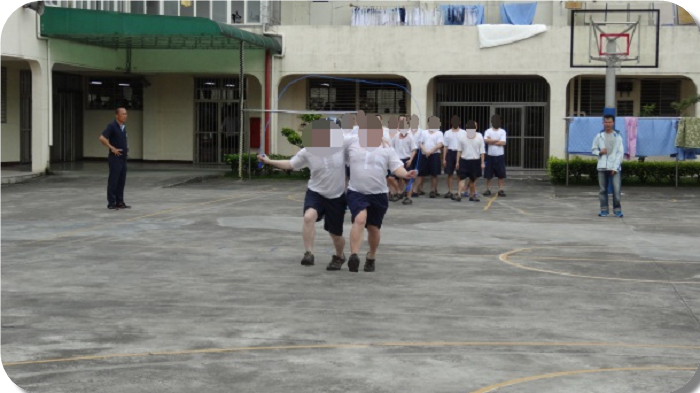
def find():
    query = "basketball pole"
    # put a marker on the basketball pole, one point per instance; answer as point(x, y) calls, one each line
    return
point(610, 90)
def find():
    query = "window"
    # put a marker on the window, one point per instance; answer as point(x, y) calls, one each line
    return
point(253, 14)
point(186, 8)
point(219, 11)
point(386, 96)
point(170, 8)
point(137, 7)
point(110, 93)
point(237, 11)
point(661, 92)
point(203, 9)
point(4, 94)
point(592, 96)
point(213, 88)
point(153, 7)
point(625, 108)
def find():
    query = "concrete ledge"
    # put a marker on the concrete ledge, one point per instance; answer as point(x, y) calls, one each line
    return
point(12, 177)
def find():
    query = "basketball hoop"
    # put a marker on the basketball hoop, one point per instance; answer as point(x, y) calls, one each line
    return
point(614, 44)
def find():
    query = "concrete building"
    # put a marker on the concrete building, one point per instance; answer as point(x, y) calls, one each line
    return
point(179, 79)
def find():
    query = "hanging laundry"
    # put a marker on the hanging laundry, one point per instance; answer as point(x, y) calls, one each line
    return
point(689, 132)
point(656, 137)
point(518, 13)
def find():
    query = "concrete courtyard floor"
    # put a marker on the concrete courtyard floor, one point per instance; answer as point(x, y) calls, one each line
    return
point(198, 287)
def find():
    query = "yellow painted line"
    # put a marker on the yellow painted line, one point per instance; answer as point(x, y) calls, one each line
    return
point(578, 372)
point(358, 346)
point(490, 202)
point(610, 260)
point(505, 257)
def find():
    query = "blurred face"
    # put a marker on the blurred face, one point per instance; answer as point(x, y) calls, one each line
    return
point(322, 138)
point(403, 126)
point(609, 124)
point(371, 138)
point(455, 122)
point(415, 122)
point(121, 116)
point(434, 123)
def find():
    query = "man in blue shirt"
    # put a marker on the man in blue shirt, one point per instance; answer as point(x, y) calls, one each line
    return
point(114, 138)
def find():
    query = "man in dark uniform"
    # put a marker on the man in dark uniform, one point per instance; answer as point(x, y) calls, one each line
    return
point(114, 137)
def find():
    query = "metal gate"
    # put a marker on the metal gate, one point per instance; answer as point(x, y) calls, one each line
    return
point(25, 116)
point(217, 125)
point(521, 103)
point(67, 118)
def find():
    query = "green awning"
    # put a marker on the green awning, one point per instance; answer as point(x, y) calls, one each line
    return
point(121, 30)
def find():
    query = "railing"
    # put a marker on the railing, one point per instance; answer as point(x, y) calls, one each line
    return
point(244, 12)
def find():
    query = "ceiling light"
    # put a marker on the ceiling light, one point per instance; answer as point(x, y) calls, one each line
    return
point(124, 84)
point(95, 83)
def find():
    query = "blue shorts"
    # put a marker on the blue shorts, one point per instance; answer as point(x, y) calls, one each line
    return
point(430, 166)
point(375, 204)
point(332, 211)
point(495, 166)
point(451, 162)
point(469, 169)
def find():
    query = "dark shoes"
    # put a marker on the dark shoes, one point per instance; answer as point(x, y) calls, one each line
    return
point(369, 264)
point(457, 198)
point(354, 263)
point(433, 194)
point(308, 259)
point(474, 199)
point(123, 206)
point(448, 195)
point(407, 201)
point(487, 193)
point(501, 193)
point(336, 263)
point(112, 207)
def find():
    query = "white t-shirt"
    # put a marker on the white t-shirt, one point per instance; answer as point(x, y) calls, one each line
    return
point(349, 133)
point(416, 135)
point(327, 173)
point(472, 149)
point(430, 140)
point(368, 168)
point(452, 138)
point(404, 147)
point(499, 135)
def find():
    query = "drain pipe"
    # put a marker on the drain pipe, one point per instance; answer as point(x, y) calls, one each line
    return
point(265, 138)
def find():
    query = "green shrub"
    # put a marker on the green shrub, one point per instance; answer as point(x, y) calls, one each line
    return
point(584, 171)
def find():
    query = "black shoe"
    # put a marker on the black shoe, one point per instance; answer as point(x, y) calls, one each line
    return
point(448, 195)
point(354, 263)
point(369, 264)
point(501, 193)
point(112, 207)
point(437, 194)
point(421, 192)
point(415, 195)
point(432, 194)
point(336, 263)
point(123, 206)
point(308, 259)
point(487, 193)
point(474, 199)
point(407, 201)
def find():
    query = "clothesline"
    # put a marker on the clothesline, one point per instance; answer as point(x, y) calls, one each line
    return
point(437, 15)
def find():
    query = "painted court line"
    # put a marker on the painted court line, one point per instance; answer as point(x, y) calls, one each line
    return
point(578, 372)
point(356, 346)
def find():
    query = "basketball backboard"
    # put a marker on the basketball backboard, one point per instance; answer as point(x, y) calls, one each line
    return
point(632, 36)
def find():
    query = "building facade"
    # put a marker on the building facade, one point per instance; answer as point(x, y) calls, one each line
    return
point(184, 97)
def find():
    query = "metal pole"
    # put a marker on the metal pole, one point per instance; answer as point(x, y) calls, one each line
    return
point(676, 170)
point(568, 123)
point(240, 112)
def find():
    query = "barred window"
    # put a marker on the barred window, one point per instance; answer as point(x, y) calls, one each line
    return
point(592, 96)
point(379, 96)
point(661, 92)
point(4, 94)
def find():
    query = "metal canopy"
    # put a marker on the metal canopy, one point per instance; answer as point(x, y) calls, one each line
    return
point(121, 30)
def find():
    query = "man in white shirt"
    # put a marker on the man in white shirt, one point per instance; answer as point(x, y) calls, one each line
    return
point(405, 147)
point(495, 138)
point(387, 135)
point(350, 128)
point(369, 159)
point(325, 195)
point(450, 152)
point(471, 161)
point(431, 143)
